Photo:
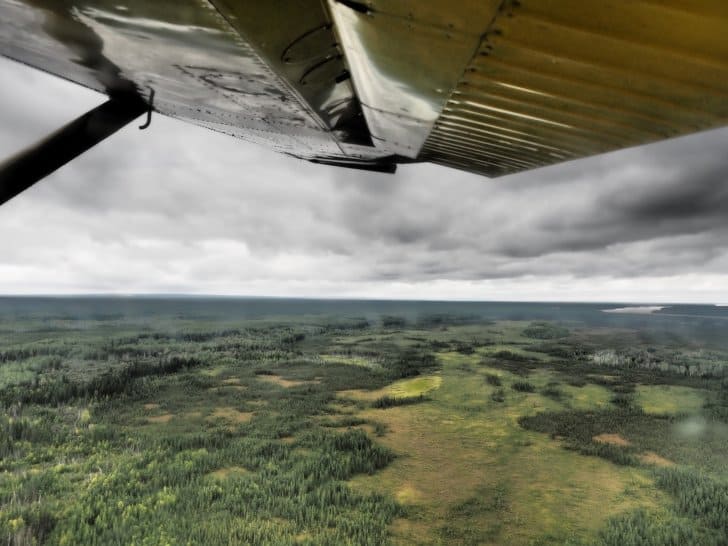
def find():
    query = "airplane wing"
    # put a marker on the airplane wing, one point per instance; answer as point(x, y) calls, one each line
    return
point(488, 86)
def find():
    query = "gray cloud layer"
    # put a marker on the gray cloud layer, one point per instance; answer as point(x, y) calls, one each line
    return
point(177, 208)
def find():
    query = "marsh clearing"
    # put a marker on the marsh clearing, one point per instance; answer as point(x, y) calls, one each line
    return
point(467, 471)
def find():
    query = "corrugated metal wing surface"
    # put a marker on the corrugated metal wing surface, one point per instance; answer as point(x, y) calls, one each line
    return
point(555, 80)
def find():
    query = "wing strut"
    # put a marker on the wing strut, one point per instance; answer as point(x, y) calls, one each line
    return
point(26, 168)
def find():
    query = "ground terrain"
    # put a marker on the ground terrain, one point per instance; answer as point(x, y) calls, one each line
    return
point(189, 425)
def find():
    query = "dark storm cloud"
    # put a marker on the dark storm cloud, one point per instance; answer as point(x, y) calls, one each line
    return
point(568, 207)
point(587, 217)
point(664, 199)
point(701, 193)
point(178, 208)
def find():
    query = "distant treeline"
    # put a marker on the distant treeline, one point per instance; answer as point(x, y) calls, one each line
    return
point(24, 353)
point(110, 383)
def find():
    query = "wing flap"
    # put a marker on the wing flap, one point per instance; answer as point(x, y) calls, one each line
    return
point(554, 80)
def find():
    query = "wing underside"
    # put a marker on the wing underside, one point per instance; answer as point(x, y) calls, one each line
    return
point(488, 86)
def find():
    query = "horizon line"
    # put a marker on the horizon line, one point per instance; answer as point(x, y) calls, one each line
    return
point(182, 295)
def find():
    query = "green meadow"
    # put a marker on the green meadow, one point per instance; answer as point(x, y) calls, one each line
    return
point(443, 429)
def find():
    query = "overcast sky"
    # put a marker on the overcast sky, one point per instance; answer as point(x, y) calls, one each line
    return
point(178, 209)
